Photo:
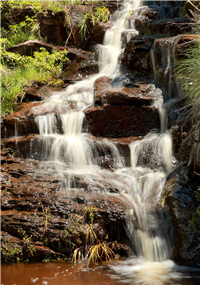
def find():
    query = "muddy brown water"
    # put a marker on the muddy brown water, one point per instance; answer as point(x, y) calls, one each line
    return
point(63, 273)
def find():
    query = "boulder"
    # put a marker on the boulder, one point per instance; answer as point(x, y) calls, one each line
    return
point(136, 55)
point(20, 122)
point(32, 94)
point(81, 64)
point(161, 28)
point(121, 121)
point(52, 27)
point(138, 95)
point(180, 205)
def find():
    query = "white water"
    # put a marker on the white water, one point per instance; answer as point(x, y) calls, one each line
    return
point(75, 153)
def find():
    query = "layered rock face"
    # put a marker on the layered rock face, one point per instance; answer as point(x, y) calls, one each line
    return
point(53, 208)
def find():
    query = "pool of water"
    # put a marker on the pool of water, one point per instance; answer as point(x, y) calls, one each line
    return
point(115, 273)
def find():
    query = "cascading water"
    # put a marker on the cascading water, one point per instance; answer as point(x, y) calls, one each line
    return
point(141, 185)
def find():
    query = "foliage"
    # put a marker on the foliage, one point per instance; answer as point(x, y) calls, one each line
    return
point(10, 253)
point(96, 249)
point(29, 247)
point(98, 252)
point(188, 72)
point(89, 211)
point(21, 32)
point(42, 66)
point(100, 14)
point(38, 6)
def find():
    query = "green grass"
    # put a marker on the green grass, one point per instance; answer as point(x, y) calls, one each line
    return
point(188, 71)
point(23, 69)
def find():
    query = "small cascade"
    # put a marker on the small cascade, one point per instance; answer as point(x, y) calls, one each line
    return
point(167, 74)
point(72, 152)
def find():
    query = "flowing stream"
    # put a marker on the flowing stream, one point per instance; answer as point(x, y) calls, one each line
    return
point(71, 151)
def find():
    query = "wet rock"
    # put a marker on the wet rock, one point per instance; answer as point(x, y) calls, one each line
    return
point(81, 65)
point(137, 55)
point(97, 33)
point(32, 94)
point(28, 146)
point(164, 67)
point(121, 121)
point(20, 122)
point(139, 95)
point(180, 206)
point(113, 5)
point(165, 27)
point(36, 147)
point(171, 2)
point(16, 249)
point(94, 32)
point(30, 191)
point(149, 16)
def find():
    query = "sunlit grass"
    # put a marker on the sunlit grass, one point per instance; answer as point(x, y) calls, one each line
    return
point(189, 75)
point(23, 69)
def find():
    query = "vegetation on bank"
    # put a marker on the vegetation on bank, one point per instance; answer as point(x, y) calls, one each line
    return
point(93, 249)
point(19, 71)
point(189, 73)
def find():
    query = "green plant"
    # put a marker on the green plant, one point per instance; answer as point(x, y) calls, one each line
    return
point(98, 252)
point(188, 71)
point(38, 6)
point(21, 32)
point(29, 247)
point(100, 14)
point(89, 211)
point(10, 253)
point(42, 66)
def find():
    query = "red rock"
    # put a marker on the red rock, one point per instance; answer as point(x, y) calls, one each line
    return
point(82, 64)
point(137, 96)
point(20, 122)
point(121, 121)
point(52, 27)
point(137, 55)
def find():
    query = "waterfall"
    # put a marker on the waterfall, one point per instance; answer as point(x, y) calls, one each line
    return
point(139, 186)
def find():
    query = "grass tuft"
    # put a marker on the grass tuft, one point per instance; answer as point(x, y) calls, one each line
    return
point(188, 72)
